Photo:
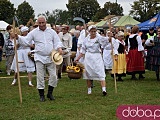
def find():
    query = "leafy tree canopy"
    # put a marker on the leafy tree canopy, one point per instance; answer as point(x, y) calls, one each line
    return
point(7, 11)
point(83, 8)
point(109, 9)
point(25, 12)
point(143, 10)
point(57, 17)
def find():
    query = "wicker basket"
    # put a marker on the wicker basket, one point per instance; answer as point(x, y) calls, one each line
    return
point(74, 75)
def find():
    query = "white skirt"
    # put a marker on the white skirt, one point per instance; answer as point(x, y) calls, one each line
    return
point(94, 67)
point(107, 58)
point(27, 65)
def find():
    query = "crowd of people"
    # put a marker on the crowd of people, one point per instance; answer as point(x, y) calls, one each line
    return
point(115, 51)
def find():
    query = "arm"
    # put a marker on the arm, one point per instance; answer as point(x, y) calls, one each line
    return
point(25, 40)
point(70, 43)
point(140, 47)
point(81, 55)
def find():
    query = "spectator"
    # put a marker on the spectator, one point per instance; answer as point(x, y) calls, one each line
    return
point(1, 47)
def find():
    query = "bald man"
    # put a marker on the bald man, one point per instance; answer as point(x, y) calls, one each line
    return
point(45, 39)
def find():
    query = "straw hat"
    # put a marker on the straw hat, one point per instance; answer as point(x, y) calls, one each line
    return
point(56, 57)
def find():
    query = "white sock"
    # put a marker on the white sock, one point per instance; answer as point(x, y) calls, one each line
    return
point(14, 81)
point(103, 89)
point(30, 82)
point(89, 90)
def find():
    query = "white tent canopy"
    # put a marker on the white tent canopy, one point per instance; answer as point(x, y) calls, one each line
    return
point(3, 25)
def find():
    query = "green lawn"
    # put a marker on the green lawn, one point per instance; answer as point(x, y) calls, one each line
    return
point(72, 101)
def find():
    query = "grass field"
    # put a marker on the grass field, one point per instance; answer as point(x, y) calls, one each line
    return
point(72, 101)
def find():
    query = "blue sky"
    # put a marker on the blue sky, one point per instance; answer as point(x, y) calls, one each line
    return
point(41, 6)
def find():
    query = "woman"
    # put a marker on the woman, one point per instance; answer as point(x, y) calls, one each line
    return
point(9, 48)
point(28, 64)
point(135, 64)
point(107, 56)
point(119, 52)
point(93, 62)
point(155, 54)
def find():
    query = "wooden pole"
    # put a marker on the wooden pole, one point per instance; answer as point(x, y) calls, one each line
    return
point(17, 67)
point(115, 82)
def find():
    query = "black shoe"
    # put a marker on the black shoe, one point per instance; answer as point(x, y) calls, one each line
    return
point(41, 94)
point(120, 79)
point(50, 91)
point(42, 98)
point(104, 93)
point(50, 96)
point(59, 75)
point(141, 77)
point(134, 78)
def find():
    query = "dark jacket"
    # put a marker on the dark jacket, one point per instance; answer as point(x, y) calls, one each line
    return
point(1, 40)
point(74, 44)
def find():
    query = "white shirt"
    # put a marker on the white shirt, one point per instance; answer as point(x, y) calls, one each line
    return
point(66, 40)
point(139, 41)
point(45, 41)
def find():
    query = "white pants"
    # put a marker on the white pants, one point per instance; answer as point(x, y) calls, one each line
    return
point(51, 68)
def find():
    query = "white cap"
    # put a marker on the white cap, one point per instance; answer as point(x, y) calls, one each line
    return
point(24, 28)
point(92, 26)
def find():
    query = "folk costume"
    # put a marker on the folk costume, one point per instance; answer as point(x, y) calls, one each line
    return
point(107, 55)
point(94, 65)
point(135, 64)
point(26, 64)
point(119, 63)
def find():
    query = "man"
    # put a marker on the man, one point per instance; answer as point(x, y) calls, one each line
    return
point(45, 40)
point(151, 33)
point(66, 39)
point(1, 47)
point(74, 44)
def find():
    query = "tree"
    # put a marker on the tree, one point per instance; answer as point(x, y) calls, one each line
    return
point(83, 8)
point(25, 12)
point(143, 10)
point(7, 11)
point(109, 9)
point(57, 16)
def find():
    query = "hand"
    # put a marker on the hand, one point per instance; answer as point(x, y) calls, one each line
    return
point(116, 57)
point(76, 60)
point(60, 51)
point(16, 35)
point(65, 52)
point(0, 47)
